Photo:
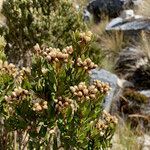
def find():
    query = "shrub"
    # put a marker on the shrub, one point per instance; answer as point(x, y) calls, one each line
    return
point(45, 22)
point(51, 105)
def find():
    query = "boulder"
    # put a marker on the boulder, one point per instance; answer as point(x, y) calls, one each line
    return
point(116, 85)
point(110, 8)
point(97, 8)
point(129, 61)
point(129, 21)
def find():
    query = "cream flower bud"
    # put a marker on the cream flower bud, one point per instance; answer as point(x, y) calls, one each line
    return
point(91, 87)
point(45, 107)
point(48, 58)
point(45, 103)
point(72, 89)
point(37, 47)
point(87, 38)
point(36, 104)
point(56, 60)
point(85, 92)
point(89, 33)
point(11, 65)
point(87, 97)
point(5, 64)
point(80, 87)
point(92, 96)
point(1, 64)
point(14, 94)
point(38, 108)
point(80, 94)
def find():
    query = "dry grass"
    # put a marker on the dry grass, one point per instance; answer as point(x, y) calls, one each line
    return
point(145, 44)
point(110, 42)
point(125, 139)
point(144, 8)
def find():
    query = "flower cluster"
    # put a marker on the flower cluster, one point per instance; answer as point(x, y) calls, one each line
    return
point(17, 94)
point(83, 91)
point(7, 68)
point(109, 118)
point(104, 122)
point(87, 64)
point(86, 36)
point(101, 86)
point(39, 106)
point(89, 92)
point(101, 125)
point(62, 103)
point(53, 54)
point(13, 71)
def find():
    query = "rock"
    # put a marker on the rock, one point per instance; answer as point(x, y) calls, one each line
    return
point(129, 21)
point(86, 15)
point(102, 7)
point(110, 8)
point(115, 83)
point(129, 60)
point(146, 93)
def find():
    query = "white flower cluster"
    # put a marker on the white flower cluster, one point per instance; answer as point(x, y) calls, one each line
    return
point(62, 103)
point(54, 54)
point(86, 36)
point(17, 94)
point(87, 64)
point(40, 106)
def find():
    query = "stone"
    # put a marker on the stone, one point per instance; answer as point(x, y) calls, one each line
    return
point(129, 21)
point(86, 15)
point(116, 85)
point(110, 8)
point(102, 7)
point(146, 93)
point(129, 60)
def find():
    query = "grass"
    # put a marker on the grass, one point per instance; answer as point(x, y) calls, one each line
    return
point(125, 139)
point(144, 9)
point(111, 43)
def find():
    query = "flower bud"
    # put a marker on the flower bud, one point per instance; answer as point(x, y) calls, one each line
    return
point(80, 94)
point(87, 97)
point(45, 103)
point(48, 58)
point(66, 104)
point(56, 60)
point(45, 107)
point(85, 92)
point(36, 104)
point(38, 108)
point(92, 96)
point(44, 70)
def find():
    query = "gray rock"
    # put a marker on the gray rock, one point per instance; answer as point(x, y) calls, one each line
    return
point(146, 93)
point(86, 15)
point(110, 8)
point(129, 60)
point(115, 83)
point(129, 21)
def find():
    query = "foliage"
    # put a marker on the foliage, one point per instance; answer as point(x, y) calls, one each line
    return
point(45, 22)
point(51, 104)
point(2, 45)
point(132, 95)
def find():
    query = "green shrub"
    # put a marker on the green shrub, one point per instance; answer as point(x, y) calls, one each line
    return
point(51, 104)
point(36, 21)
